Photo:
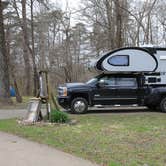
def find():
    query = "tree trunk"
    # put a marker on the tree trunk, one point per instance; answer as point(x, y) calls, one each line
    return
point(35, 73)
point(18, 96)
point(69, 69)
point(118, 24)
point(25, 49)
point(111, 25)
point(11, 66)
point(4, 71)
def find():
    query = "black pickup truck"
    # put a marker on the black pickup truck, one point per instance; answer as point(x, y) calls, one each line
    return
point(112, 89)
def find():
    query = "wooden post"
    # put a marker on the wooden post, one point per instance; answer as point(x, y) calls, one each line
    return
point(44, 90)
point(48, 104)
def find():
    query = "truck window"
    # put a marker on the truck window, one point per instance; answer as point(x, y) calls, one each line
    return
point(91, 81)
point(119, 60)
point(126, 82)
point(110, 81)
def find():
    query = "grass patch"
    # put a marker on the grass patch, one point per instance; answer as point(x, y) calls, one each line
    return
point(109, 139)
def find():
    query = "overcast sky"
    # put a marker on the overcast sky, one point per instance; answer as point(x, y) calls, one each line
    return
point(73, 4)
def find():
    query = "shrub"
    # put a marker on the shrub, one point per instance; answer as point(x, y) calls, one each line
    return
point(57, 116)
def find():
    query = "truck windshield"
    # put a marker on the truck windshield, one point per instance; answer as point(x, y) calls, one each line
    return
point(91, 81)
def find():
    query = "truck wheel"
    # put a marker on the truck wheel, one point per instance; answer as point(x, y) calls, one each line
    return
point(163, 105)
point(79, 105)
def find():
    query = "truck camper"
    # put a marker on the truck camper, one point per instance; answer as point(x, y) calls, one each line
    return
point(127, 76)
point(149, 61)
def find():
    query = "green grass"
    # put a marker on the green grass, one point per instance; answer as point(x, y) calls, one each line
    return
point(129, 139)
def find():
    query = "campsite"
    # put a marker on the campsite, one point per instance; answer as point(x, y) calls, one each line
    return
point(83, 82)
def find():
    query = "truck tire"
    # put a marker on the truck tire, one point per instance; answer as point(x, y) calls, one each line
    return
point(163, 105)
point(79, 105)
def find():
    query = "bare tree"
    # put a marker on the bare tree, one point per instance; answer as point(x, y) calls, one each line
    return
point(11, 65)
point(4, 71)
point(32, 50)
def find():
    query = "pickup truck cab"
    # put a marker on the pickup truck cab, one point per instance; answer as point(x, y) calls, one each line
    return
point(112, 89)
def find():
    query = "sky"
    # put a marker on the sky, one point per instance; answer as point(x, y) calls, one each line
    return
point(73, 4)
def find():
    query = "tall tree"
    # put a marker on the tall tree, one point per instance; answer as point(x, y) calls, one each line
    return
point(35, 74)
point(4, 72)
point(25, 48)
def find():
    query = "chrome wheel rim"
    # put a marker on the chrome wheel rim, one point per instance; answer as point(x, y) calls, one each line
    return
point(79, 106)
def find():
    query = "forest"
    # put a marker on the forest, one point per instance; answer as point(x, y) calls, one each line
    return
point(42, 35)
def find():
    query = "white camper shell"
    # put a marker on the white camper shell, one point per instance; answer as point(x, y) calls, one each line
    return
point(149, 61)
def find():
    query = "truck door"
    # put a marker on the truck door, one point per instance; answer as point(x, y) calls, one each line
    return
point(127, 90)
point(105, 94)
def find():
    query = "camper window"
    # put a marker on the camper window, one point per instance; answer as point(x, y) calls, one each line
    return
point(119, 60)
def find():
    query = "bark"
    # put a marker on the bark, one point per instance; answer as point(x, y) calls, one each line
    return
point(42, 43)
point(119, 41)
point(69, 69)
point(25, 49)
point(35, 73)
point(18, 96)
point(4, 71)
point(111, 24)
